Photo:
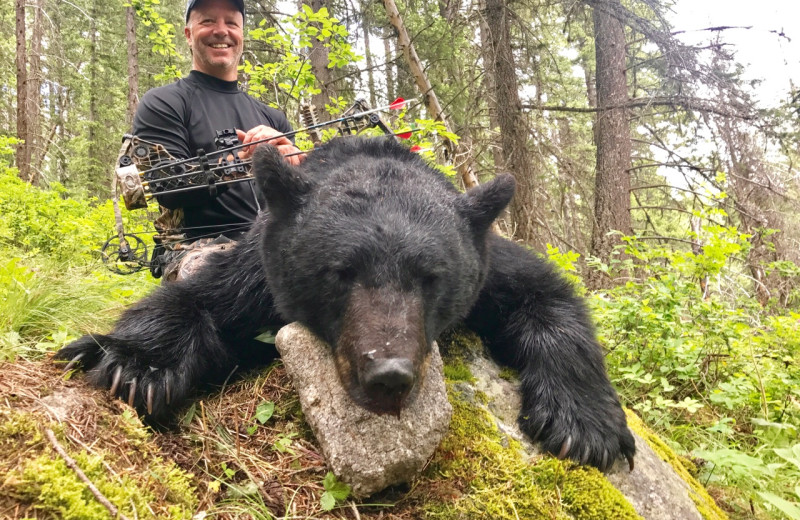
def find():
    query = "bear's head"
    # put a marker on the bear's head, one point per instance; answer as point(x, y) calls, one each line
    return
point(376, 253)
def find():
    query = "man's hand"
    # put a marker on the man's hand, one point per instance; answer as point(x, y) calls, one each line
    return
point(282, 143)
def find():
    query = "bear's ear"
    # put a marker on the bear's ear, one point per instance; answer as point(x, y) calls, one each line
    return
point(281, 185)
point(484, 203)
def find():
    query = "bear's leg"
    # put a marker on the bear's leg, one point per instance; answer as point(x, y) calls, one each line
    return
point(531, 319)
point(183, 336)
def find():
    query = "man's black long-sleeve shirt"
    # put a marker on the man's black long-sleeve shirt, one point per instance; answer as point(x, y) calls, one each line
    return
point(184, 117)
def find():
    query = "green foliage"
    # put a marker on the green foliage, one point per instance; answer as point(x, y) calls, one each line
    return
point(51, 223)
point(161, 35)
point(52, 286)
point(567, 265)
point(7, 144)
point(719, 376)
point(335, 492)
point(290, 73)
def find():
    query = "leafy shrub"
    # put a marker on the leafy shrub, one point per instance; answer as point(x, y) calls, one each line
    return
point(48, 222)
point(719, 376)
point(52, 286)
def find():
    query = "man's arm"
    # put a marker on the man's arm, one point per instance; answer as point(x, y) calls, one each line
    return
point(160, 118)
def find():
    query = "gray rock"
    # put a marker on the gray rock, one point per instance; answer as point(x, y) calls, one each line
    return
point(366, 451)
point(653, 488)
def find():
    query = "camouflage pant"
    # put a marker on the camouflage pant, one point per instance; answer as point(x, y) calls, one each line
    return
point(182, 259)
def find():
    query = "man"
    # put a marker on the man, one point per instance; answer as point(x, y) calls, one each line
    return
point(185, 116)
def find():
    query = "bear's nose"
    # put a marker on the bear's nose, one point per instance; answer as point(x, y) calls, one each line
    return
point(390, 376)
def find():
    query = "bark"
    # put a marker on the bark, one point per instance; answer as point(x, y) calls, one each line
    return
point(612, 137)
point(133, 63)
point(23, 149)
point(459, 154)
point(514, 129)
point(487, 55)
point(34, 85)
point(319, 67)
point(365, 26)
point(389, 60)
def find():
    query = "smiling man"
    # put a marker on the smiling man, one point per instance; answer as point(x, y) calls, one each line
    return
point(185, 116)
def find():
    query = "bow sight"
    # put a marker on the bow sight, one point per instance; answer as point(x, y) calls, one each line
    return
point(146, 170)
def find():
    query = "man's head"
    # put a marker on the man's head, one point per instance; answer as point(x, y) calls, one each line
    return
point(214, 32)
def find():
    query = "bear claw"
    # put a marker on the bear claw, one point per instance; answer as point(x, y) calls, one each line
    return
point(150, 399)
point(565, 447)
point(132, 392)
point(116, 380)
point(73, 362)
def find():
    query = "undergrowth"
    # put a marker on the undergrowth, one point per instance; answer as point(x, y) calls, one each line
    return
point(717, 375)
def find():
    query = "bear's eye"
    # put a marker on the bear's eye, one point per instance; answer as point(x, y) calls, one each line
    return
point(346, 274)
point(426, 277)
point(429, 280)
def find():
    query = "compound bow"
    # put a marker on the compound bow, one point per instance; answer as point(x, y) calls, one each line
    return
point(145, 170)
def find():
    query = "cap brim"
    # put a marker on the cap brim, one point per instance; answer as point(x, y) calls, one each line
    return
point(191, 4)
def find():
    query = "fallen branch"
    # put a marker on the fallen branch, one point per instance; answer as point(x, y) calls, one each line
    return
point(81, 475)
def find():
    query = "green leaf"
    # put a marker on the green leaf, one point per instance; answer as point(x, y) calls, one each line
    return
point(789, 509)
point(791, 455)
point(335, 491)
point(327, 502)
point(264, 411)
point(339, 490)
point(190, 413)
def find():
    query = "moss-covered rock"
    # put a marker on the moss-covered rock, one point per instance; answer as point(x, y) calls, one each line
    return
point(485, 474)
point(684, 468)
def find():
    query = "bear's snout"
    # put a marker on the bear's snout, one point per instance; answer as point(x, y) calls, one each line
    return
point(393, 377)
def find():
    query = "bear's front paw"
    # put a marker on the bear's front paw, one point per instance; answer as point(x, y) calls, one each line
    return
point(594, 432)
point(109, 365)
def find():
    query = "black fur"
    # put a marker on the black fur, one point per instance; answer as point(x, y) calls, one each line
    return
point(368, 218)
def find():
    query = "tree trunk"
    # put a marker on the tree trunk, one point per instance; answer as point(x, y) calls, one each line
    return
point(388, 58)
point(23, 149)
point(133, 63)
point(513, 126)
point(459, 154)
point(365, 26)
point(95, 162)
point(613, 139)
point(487, 55)
point(319, 67)
point(35, 144)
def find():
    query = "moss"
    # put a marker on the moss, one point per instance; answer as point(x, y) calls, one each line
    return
point(141, 484)
point(478, 472)
point(56, 489)
point(682, 466)
point(457, 370)
point(509, 374)
point(460, 343)
point(584, 491)
point(16, 429)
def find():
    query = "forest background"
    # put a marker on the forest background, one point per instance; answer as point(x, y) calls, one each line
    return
point(648, 168)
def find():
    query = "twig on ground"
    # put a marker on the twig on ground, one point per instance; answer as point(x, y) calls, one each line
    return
point(81, 475)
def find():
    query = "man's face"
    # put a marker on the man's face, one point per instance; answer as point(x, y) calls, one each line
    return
point(215, 36)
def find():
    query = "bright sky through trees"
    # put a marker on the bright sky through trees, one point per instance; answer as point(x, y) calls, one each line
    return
point(766, 40)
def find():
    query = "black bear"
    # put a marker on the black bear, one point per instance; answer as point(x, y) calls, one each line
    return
point(377, 254)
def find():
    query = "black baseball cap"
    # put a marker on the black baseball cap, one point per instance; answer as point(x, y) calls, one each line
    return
point(191, 4)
